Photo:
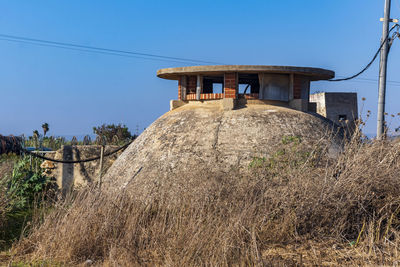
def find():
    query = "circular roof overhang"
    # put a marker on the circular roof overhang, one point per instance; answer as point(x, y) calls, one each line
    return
point(314, 73)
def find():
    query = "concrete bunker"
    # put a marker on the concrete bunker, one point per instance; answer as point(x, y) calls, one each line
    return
point(224, 118)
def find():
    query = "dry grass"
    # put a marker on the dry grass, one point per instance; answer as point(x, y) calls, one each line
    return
point(296, 208)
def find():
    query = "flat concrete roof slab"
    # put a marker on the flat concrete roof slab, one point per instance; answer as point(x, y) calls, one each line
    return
point(314, 73)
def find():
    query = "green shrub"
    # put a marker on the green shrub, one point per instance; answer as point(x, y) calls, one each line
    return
point(21, 195)
point(25, 184)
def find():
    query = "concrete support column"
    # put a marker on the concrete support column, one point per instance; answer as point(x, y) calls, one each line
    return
point(291, 87)
point(199, 86)
point(183, 83)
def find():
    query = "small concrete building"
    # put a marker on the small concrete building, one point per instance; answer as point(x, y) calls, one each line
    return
point(341, 108)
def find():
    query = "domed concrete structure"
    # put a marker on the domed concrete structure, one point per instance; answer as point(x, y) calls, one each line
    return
point(198, 140)
point(204, 137)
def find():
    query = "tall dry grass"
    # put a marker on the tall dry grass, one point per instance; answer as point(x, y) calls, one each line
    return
point(296, 207)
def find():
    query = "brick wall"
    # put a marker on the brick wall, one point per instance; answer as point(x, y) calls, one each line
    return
point(205, 96)
point(230, 85)
point(297, 81)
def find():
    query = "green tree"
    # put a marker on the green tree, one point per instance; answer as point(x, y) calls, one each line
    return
point(113, 134)
point(45, 127)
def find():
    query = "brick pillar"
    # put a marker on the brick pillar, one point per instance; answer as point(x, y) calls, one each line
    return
point(296, 87)
point(230, 85)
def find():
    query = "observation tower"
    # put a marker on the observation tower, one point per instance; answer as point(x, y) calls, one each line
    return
point(235, 85)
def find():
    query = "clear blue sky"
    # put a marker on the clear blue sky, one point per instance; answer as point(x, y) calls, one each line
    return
point(74, 90)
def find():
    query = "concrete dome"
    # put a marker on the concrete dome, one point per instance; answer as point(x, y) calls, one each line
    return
point(199, 139)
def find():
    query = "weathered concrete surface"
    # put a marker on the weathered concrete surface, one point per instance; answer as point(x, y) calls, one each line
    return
point(229, 103)
point(79, 174)
point(200, 140)
point(173, 104)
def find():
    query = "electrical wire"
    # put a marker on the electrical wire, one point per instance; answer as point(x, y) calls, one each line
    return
point(131, 54)
point(369, 80)
point(86, 48)
point(373, 59)
point(97, 52)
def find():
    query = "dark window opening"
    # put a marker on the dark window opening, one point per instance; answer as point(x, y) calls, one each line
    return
point(191, 84)
point(249, 83)
point(213, 84)
point(342, 118)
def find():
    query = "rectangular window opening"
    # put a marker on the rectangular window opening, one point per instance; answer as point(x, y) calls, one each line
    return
point(244, 88)
point(249, 81)
point(342, 118)
point(213, 84)
point(218, 88)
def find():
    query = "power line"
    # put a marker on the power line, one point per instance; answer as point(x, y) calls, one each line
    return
point(130, 54)
point(96, 52)
point(373, 59)
point(101, 50)
point(369, 80)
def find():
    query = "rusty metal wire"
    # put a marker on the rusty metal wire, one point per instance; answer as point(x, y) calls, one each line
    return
point(76, 161)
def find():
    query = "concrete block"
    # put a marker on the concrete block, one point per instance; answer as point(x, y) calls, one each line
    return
point(173, 104)
point(312, 107)
point(228, 103)
point(299, 104)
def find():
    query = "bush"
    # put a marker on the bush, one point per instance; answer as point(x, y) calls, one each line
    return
point(25, 184)
point(113, 134)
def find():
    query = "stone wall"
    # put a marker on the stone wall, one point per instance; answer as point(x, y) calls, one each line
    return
point(69, 176)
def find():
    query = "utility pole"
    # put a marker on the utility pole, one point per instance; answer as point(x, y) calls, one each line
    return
point(382, 73)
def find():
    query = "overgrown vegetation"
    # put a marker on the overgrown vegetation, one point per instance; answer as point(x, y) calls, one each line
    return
point(22, 192)
point(296, 207)
point(109, 134)
point(26, 192)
